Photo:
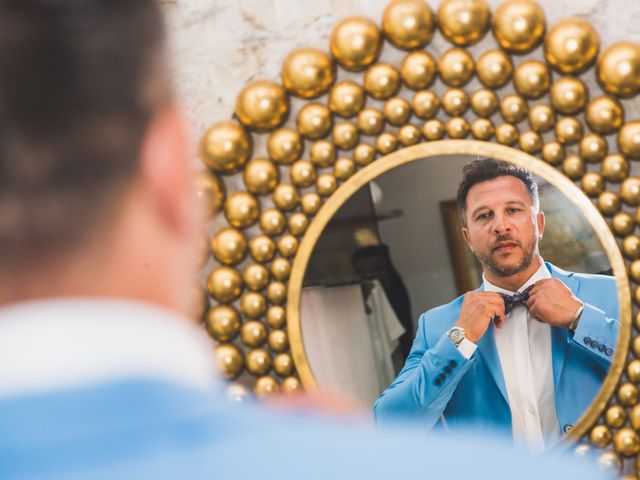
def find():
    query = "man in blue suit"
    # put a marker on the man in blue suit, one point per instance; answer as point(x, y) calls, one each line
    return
point(527, 351)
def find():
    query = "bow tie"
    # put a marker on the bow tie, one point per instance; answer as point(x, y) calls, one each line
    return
point(510, 301)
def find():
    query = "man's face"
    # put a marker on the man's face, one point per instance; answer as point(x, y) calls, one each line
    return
point(503, 226)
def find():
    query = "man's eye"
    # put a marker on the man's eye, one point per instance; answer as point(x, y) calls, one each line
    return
point(514, 210)
point(483, 216)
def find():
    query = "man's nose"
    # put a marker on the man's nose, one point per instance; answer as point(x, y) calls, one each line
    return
point(500, 224)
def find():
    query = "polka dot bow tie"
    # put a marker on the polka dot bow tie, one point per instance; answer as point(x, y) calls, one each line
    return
point(510, 301)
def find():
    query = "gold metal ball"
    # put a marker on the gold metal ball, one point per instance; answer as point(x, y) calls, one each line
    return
point(326, 184)
point(385, 144)
point(635, 345)
point(464, 22)
point(408, 24)
point(593, 148)
point(600, 436)
point(610, 462)
point(258, 362)
point(281, 269)
point(287, 245)
point(633, 371)
point(310, 203)
point(226, 147)
point(291, 386)
point(609, 203)
point(344, 168)
point(456, 67)
point(303, 173)
point(284, 146)
point(634, 267)
point(229, 246)
point(634, 416)
point(569, 130)
point(569, 95)
point(364, 154)
point(425, 104)
point(253, 305)
point(278, 341)
point(409, 135)
point(345, 135)
point(224, 284)
point(262, 105)
point(583, 450)
point(253, 334)
point(457, 128)
point(230, 360)
point(346, 98)
point(530, 142)
point(397, 111)
point(277, 293)
point(541, 118)
point(255, 276)
point(308, 72)
point(266, 386)
point(355, 43)
point(418, 70)
point(628, 394)
point(298, 223)
point(482, 129)
point(241, 209)
point(630, 191)
point(622, 225)
point(592, 184)
point(272, 222)
point(629, 139)
point(262, 248)
point(619, 69)
point(615, 167)
point(574, 167)
point(286, 197)
point(276, 317)
point(507, 134)
point(519, 25)
point(455, 102)
point(571, 45)
point(261, 176)
point(604, 115)
point(370, 121)
point(314, 121)
point(210, 192)
point(223, 323)
point(616, 416)
point(494, 68)
point(513, 108)
point(322, 153)
point(283, 364)
point(532, 79)
point(553, 153)
point(382, 81)
point(433, 129)
point(484, 102)
point(626, 442)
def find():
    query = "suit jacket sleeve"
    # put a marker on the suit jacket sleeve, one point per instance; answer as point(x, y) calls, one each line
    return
point(597, 334)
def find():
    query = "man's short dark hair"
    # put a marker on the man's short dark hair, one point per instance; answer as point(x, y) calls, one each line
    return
point(484, 169)
point(80, 81)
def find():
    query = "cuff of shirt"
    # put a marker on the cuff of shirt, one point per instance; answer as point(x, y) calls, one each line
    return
point(467, 348)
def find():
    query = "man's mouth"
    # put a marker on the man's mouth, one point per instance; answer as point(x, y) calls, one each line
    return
point(504, 246)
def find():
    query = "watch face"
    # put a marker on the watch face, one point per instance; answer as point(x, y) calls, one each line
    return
point(456, 335)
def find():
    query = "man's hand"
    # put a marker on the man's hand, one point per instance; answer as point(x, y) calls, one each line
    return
point(478, 309)
point(551, 301)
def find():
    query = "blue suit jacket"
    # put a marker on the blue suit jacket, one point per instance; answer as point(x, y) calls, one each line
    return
point(473, 393)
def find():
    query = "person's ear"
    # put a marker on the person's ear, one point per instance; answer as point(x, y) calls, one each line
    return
point(467, 238)
point(540, 220)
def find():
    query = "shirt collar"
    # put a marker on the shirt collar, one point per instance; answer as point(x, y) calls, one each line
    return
point(62, 343)
point(539, 274)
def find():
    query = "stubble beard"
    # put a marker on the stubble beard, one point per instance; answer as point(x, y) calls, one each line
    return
point(491, 264)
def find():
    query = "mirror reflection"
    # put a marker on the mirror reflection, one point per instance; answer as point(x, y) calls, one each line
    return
point(520, 309)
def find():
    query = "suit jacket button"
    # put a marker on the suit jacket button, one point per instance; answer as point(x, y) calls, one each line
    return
point(447, 369)
point(594, 344)
point(567, 428)
point(453, 363)
point(437, 382)
point(602, 347)
point(587, 340)
point(608, 352)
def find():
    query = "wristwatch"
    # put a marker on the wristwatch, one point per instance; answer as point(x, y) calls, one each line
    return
point(456, 335)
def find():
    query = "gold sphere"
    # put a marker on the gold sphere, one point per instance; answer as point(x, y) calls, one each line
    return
point(258, 362)
point(464, 22)
point(364, 154)
point(494, 68)
point(310, 203)
point(262, 248)
point(604, 115)
point(291, 386)
point(482, 129)
point(541, 118)
point(425, 104)
point(283, 364)
point(284, 146)
point(456, 67)
point(608, 203)
point(507, 134)
point(226, 147)
point(600, 436)
point(610, 462)
point(276, 317)
point(484, 102)
point(253, 334)
point(210, 192)
point(298, 223)
point(314, 121)
point(241, 209)
point(224, 284)
point(630, 191)
point(408, 24)
point(385, 144)
point(569, 95)
point(513, 108)
point(634, 267)
point(629, 139)
point(346, 98)
point(568, 130)
point(272, 222)
point(616, 416)
point(633, 371)
point(344, 168)
point(433, 129)
point(308, 72)
point(593, 148)
point(532, 79)
point(262, 105)
point(418, 70)
point(634, 416)
point(626, 442)
point(457, 128)
point(266, 386)
point(229, 246)
point(355, 43)
point(583, 450)
point(253, 305)
point(281, 269)
point(223, 323)
point(553, 153)
point(255, 276)
point(619, 69)
point(622, 225)
point(628, 394)
point(277, 293)
point(230, 360)
point(592, 184)
point(322, 153)
point(278, 341)
point(326, 184)
point(397, 111)
point(409, 135)
point(530, 142)
point(345, 135)
point(455, 102)
point(261, 176)
point(286, 197)
point(519, 25)
point(615, 167)
point(382, 81)
point(287, 245)
point(370, 121)
point(303, 173)
point(571, 45)
point(574, 167)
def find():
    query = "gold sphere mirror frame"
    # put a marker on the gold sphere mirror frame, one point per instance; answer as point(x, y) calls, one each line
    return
point(344, 109)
